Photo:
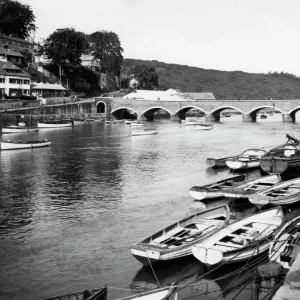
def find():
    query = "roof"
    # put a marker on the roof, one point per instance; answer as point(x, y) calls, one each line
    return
point(6, 66)
point(10, 53)
point(200, 96)
point(48, 86)
point(86, 57)
point(3, 36)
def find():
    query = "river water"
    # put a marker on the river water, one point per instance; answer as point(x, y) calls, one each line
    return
point(70, 212)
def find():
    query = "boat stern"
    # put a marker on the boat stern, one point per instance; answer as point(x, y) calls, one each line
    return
point(198, 194)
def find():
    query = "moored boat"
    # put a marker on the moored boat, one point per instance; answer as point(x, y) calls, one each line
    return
point(282, 159)
point(12, 145)
point(240, 240)
point(145, 131)
point(54, 124)
point(18, 129)
point(176, 240)
point(263, 116)
point(190, 123)
point(247, 160)
point(138, 123)
point(282, 193)
point(249, 188)
point(217, 162)
point(204, 126)
point(214, 190)
point(286, 244)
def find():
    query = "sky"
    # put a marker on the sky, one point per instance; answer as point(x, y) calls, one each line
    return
point(256, 36)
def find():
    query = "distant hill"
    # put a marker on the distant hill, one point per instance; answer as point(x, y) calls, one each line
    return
point(223, 84)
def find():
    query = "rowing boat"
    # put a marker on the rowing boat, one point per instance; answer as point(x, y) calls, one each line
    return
point(177, 239)
point(18, 129)
point(12, 145)
point(143, 132)
point(54, 124)
point(138, 123)
point(217, 162)
point(247, 160)
point(283, 158)
point(215, 189)
point(286, 244)
point(249, 188)
point(204, 126)
point(240, 240)
point(282, 193)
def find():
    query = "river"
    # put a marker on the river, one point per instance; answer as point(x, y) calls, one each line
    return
point(71, 211)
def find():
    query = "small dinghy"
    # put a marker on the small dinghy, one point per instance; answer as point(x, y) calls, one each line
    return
point(143, 132)
point(240, 240)
point(286, 245)
point(54, 124)
point(217, 162)
point(127, 121)
point(176, 240)
point(204, 126)
point(190, 123)
point(282, 193)
point(215, 190)
point(247, 160)
point(18, 129)
point(13, 145)
point(249, 188)
point(138, 123)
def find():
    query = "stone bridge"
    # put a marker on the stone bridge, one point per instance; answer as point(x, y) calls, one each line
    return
point(118, 107)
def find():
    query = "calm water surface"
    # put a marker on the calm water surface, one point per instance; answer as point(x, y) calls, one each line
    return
point(70, 212)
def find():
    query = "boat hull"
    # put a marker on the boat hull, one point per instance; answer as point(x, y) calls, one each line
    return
point(148, 132)
point(17, 129)
point(216, 162)
point(239, 164)
point(53, 125)
point(276, 165)
point(6, 145)
point(205, 194)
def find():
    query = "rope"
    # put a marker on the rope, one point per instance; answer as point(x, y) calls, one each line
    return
point(152, 268)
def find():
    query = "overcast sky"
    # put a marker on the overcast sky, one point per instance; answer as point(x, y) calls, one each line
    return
point(255, 36)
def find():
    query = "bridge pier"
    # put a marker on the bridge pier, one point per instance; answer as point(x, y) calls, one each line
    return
point(249, 118)
point(175, 117)
point(211, 118)
point(287, 118)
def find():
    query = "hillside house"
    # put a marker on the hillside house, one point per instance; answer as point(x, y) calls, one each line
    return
point(14, 57)
point(13, 79)
point(90, 62)
point(16, 44)
point(47, 90)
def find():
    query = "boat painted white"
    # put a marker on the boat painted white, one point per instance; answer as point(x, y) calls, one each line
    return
point(247, 160)
point(282, 247)
point(282, 193)
point(138, 124)
point(249, 188)
point(18, 129)
point(143, 132)
point(12, 145)
point(190, 123)
point(204, 126)
point(240, 240)
point(54, 124)
point(157, 294)
point(176, 240)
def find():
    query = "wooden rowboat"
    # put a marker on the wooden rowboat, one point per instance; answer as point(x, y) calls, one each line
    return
point(165, 293)
point(286, 244)
point(217, 162)
point(215, 190)
point(249, 188)
point(283, 158)
point(204, 126)
point(143, 132)
point(282, 193)
point(138, 124)
point(18, 129)
point(12, 145)
point(54, 124)
point(176, 240)
point(240, 240)
point(247, 160)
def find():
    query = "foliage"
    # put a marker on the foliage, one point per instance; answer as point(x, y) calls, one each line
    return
point(147, 78)
point(16, 19)
point(106, 47)
point(223, 84)
point(64, 47)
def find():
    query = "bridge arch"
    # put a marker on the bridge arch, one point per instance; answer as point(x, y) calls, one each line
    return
point(183, 110)
point(256, 109)
point(221, 108)
point(148, 113)
point(101, 107)
point(124, 113)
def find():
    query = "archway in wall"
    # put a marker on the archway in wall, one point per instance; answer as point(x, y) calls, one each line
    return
point(155, 112)
point(101, 108)
point(224, 112)
point(267, 113)
point(124, 113)
point(295, 114)
point(190, 112)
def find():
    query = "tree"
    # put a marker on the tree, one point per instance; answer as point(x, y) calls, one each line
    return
point(64, 48)
point(16, 19)
point(146, 77)
point(106, 47)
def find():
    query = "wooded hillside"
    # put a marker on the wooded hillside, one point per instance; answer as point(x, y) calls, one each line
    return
point(223, 84)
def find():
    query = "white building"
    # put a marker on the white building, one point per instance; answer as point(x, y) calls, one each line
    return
point(47, 90)
point(169, 95)
point(13, 79)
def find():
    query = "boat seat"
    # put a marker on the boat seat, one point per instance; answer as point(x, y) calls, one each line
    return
point(229, 245)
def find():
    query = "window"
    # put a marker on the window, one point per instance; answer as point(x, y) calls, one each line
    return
point(2, 80)
point(15, 81)
point(26, 81)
